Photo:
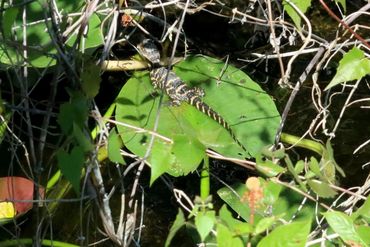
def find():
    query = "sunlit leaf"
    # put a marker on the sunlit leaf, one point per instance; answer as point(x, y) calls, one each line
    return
point(343, 225)
point(363, 211)
point(7, 210)
point(93, 37)
point(237, 226)
point(161, 159)
point(264, 224)
point(189, 129)
point(302, 5)
point(322, 189)
point(204, 222)
point(353, 66)
point(268, 168)
point(189, 152)
point(291, 235)
point(226, 238)
point(233, 198)
point(364, 233)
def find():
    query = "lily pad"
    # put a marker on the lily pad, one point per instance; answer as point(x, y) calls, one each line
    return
point(249, 110)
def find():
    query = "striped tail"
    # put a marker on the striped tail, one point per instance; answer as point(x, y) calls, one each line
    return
point(203, 107)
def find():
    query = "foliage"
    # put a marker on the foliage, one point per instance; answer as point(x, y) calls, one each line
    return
point(52, 131)
point(41, 51)
point(353, 66)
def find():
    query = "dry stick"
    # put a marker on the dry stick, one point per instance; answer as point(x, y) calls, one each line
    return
point(296, 88)
point(276, 46)
point(363, 41)
point(306, 40)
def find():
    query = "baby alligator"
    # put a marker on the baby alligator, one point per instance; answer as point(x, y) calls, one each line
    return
point(176, 89)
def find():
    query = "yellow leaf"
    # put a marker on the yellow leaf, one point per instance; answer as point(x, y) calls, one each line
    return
point(7, 210)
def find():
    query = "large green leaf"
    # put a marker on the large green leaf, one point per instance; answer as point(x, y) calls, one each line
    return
point(247, 108)
point(353, 66)
point(290, 235)
point(344, 226)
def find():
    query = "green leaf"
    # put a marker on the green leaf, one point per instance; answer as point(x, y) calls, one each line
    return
point(82, 138)
point(236, 226)
point(364, 233)
point(302, 5)
point(114, 147)
point(41, 51)
point(343, 3)
point(161, 159)
point(190, 129)
point(353, 66)
point(268, 168)
point(322, 189)
point(343, 225)
point(232, 198)
point(74, 112)
point(93, 38)
point(328, 156)
point(204, 222)
point(271, 192)
point(9, 17)
point(177, 224)
point(291, 235)
point(226, 238)
point(189, 162)
point(90, 79)
point(70, 165)
point(248, 109)
point(264, 224)
point(363, 211)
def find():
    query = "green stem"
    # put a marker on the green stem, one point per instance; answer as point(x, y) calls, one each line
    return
point(204, 179)
point(304, 143)
point(28, 241)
